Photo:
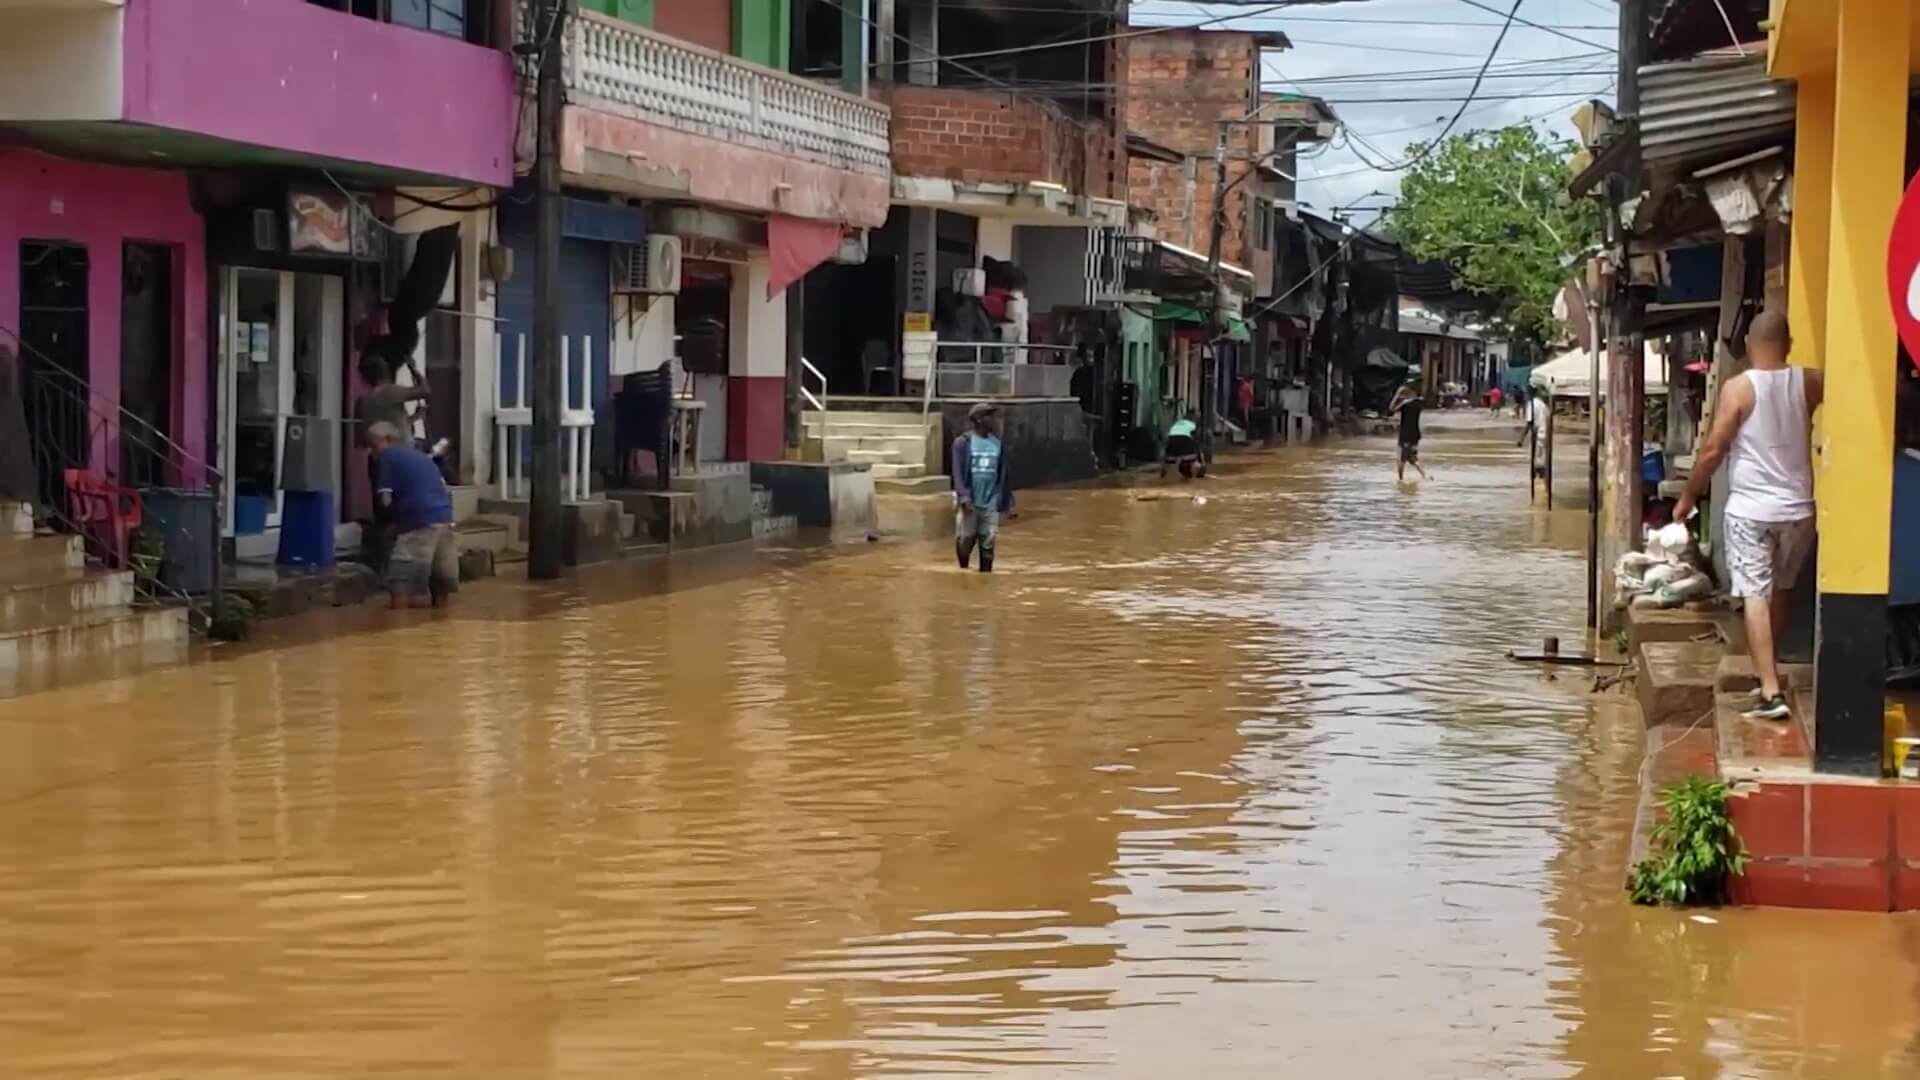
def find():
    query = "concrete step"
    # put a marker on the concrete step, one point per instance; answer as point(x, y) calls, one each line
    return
point(466, 500)
point(895, 471)
point(34, 557)
point(879, 457)
point(91, 667)
point(482, 534)
point(62, 596)
point(762, 501)
point(1676, 680)
point(773, 526)
point(89, 633)
point(16, 519)
point(911, 449)
point(935, 484)
point(863, 416)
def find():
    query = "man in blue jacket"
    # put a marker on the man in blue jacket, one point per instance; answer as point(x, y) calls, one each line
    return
point(981, 491)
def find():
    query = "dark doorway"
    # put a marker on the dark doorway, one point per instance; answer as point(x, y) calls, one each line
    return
point(53, 331)
point(146, 362)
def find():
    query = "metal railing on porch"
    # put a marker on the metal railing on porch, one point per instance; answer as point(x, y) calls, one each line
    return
point(984, 369)
point(513, 422)
point(68, 425)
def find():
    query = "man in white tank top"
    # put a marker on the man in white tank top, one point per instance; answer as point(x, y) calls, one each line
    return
point(1761, 432)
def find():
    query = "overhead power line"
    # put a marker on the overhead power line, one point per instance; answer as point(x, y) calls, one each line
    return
point(1537, 26)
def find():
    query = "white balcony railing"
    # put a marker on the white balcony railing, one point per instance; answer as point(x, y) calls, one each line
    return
point(669, 82)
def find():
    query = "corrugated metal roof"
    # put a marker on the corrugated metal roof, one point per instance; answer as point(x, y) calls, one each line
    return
point(1714, 105)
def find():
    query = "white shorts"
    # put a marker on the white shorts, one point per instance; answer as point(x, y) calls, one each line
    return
point(1764, 556)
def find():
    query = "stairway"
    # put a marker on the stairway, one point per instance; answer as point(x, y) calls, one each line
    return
point(902, 447)
point(58, 612)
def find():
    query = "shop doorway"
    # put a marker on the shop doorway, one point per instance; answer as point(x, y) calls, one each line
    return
point(281, 356)
point(53, 335)
point(146, 362)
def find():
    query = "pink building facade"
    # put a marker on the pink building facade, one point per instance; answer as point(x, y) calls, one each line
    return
point(47, 202)
point(226, 175)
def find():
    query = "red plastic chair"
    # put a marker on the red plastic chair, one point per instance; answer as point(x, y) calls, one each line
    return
point(105, 513)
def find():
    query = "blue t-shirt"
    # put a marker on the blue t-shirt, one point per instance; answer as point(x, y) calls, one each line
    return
point(419, 494)
point(983, 470)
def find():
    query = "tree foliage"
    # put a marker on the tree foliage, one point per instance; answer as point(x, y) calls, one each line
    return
point(1493, 205)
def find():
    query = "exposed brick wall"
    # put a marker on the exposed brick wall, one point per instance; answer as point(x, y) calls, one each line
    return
point(988, 136)
point(1179, 86)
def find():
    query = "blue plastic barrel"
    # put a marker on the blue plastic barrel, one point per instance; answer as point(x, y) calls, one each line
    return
point(306, 530)
point(1653, 467)
point(250, 514)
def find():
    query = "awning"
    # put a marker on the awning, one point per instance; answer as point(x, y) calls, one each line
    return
point(1170, 311)
point(1386, 360)
point(795, 246)
point(1176, 312)
point(1569, 374)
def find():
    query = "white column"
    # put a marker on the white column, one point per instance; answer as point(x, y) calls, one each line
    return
point(758, 341)
point(996, 239)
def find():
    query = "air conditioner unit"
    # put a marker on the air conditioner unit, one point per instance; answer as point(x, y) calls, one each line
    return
point(652, 269)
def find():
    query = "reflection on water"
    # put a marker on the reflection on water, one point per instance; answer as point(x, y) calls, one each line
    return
point(1241, 789)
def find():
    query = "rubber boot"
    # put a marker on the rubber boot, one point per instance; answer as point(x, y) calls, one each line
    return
point(986, 560)
point(963, 550)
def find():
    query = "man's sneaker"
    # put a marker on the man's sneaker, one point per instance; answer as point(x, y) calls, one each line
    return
point(1773, 708)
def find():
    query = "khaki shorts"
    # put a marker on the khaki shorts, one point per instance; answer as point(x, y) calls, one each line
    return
point(1766, 556)
point(424, 560)
point(970, 523)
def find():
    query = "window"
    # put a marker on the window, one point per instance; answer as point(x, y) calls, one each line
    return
point(469, 20)
point(1262, 237)
point(440, 16)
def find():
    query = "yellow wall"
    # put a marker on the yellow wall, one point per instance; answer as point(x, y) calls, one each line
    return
point(1854, 457)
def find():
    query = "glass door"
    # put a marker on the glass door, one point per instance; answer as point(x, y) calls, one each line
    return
point(256, 336)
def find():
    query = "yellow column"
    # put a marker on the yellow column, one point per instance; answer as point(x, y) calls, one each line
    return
point(1812, 217)
point(1854, 457)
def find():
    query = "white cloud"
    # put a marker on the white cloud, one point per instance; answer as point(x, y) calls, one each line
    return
point(1394, 50)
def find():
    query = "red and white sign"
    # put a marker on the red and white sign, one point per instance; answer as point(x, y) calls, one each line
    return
point(1903, 270)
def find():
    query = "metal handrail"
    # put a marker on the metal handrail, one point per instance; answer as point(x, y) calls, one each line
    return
point(146, 434)
point(56, 390)
point(806, 368)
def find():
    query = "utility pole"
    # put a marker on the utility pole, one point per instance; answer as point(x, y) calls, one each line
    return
point(1625, 402)
point(1216, 235)
point(546, 530)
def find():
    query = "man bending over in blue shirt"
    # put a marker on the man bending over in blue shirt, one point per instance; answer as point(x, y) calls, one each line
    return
point(409, 485)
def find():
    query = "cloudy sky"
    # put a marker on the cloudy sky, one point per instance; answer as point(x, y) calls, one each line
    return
point(1395, 71)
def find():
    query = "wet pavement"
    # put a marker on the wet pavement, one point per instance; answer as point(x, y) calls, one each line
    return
point(1241, 788)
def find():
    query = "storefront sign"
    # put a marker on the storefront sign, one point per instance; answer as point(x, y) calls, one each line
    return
point(1903, 270)
point(319, 223)
point(917, 322)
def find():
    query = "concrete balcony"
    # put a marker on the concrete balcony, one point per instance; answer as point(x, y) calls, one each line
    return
point(255, 82)
point(654, 116)
point(954, 145)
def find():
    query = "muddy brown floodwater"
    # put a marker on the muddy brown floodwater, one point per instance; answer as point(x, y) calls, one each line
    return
point(1241, 789)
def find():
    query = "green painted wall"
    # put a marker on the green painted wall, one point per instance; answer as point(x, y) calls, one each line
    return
point(634, 11)
point(760, 31)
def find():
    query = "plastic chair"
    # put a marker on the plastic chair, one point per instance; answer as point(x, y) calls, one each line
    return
point(105, 513)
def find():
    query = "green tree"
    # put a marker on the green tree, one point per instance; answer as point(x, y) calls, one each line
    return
point(1493, 205)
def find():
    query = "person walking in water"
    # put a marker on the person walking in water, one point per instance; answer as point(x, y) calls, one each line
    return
point(1761, 430)
point(981, 491)
point(1408, 405)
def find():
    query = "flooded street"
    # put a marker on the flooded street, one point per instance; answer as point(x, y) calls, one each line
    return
point(1235, 789)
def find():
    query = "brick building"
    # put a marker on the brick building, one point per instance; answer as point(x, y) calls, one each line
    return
point(1180, 86)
